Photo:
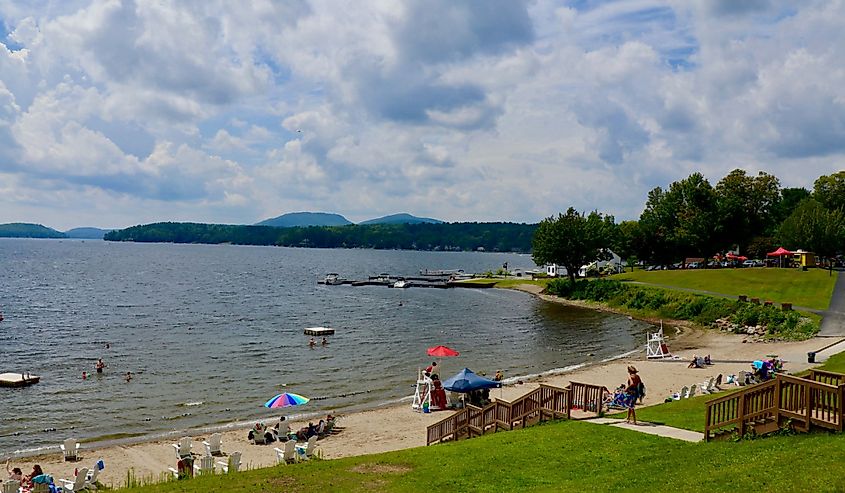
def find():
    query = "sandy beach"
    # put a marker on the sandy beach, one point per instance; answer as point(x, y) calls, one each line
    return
point(399, 427)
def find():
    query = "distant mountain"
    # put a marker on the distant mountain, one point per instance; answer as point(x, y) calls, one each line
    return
point(27, 230)
point(303, 219)
point(402, 218)
point(87, 233)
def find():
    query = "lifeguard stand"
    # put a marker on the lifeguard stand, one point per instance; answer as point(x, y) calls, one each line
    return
point(656, 347)
point(422, 394)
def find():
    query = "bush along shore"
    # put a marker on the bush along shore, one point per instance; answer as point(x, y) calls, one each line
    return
point(760, 321)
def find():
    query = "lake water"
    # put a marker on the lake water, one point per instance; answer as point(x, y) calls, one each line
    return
point(211, 332)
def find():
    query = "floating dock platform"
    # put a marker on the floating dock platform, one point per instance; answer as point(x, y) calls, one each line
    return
point(18, 379)
point(319, 331)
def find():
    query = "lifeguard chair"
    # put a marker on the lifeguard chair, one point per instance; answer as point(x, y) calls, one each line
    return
point(422, 394)
point(656, 347)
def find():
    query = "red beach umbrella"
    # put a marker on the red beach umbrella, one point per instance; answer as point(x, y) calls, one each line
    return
point(441, 351)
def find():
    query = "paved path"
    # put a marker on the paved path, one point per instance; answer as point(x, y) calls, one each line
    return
point(833, 323)
point(651, 429)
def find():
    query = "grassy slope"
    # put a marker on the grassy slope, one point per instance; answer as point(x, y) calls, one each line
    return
point(563, 456)
point(812, 289)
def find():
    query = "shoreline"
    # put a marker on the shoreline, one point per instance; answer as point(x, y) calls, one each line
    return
point(394, 426)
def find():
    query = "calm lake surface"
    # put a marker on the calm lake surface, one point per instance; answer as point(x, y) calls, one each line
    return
point(211, 332)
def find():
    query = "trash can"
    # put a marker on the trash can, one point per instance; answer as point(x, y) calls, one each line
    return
point(811, 357)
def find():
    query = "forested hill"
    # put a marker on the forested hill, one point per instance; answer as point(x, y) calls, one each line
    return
point(491, 237)
point(27, 230)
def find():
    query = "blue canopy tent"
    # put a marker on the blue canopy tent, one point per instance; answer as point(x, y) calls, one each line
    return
point(467, 381)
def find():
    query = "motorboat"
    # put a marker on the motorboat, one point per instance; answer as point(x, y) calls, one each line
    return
point(333, 279)
point(401, 283)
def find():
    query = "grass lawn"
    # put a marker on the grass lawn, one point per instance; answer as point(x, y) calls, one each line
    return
point(508, 283)
point(561, 456)
point(811, 289)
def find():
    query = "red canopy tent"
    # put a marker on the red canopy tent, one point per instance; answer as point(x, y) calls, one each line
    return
point(780, 252)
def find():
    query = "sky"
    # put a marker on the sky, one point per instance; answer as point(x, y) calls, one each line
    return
point(115, 113)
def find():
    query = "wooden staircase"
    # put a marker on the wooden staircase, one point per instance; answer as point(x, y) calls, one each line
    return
point(540, 404)
point(814, 401)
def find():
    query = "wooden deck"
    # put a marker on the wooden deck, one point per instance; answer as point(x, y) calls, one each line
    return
point(18, 379)
point(814, 401)
point(540, 404)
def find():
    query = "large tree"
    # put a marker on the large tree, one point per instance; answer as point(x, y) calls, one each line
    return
point(790, 198)
point(572, 239)
point(815, 228)
point(681, 221)
point(829, 190)
point(745, 205)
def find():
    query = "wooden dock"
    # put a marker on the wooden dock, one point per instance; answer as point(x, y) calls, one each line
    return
point(18, 379)
point(319, 331)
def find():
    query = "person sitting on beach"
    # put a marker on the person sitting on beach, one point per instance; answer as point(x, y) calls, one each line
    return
point(257, 428)
point(36, 471)
point(695, 363)
point(99, 365)
point(15, 473)
point(707, 360)
point(499, 376)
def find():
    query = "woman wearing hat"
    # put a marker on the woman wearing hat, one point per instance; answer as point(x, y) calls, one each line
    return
point(633, 391)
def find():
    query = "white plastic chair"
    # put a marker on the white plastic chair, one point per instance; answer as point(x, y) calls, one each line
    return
point(183, 447)
point(70, 448)
point(707, 385)
point(214, 444)
point(232, 464)
point(259, 436)
point(691, 391)
point(93, 474)
point(305, 451)
point(78, 483)
point(682, 394)
point(288, 455)
point(11, 486)
point(206, 465)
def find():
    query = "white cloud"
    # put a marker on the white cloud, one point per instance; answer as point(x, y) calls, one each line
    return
point(205, 110)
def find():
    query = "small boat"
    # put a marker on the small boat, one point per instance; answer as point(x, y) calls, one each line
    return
point(333, 279)
point(441, 272)
point(401, 283)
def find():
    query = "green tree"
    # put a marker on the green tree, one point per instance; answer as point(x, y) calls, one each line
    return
point(572, 239)
point(829, 190)
point(790, 198)
point(815, 228)
point(745, 206)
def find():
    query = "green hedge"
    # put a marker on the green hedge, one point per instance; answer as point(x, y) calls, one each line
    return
point(677, 305)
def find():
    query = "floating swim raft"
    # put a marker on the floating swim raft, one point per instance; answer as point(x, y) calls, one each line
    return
point(319, 331)
point(18, 379)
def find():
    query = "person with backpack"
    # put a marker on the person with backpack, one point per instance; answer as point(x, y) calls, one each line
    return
point(633, 391)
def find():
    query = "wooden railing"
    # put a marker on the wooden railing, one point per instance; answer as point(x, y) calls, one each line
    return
point(543, 402)
point(807, 402)
point(827, 377)
point(587, 397)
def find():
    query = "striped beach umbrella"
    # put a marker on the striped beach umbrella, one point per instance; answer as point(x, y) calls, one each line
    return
point(286, 399)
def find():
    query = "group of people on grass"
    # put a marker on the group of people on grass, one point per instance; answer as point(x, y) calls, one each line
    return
point(282, 432)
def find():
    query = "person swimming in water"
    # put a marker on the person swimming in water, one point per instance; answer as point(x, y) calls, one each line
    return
point(100, 365)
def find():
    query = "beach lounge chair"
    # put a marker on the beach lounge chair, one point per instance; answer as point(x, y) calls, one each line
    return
point(78, 483)
point(205, 466)
point(259, 435)
point(288, 455)
point(306, 450)
point(70, 449)
point(717, 385)
point(232, 464)
point(682, 394)
point(11, 486)
point(691, 391)
point(707, 385)
point(183, 447)
point(94, 473)
point(41, 488)
point(214, 444)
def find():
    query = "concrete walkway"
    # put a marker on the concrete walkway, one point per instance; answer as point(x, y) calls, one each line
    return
point(651, 429)
point(833, 323)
